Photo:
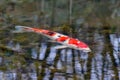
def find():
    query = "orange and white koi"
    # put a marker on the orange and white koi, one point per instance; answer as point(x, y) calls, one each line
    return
point(65, 40)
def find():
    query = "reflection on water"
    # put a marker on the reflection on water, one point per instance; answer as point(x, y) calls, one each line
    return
point(42, 51)
point(59, 76)
point(47, 74)
point(69, 67)
point(17, 46)
point(7, 75)
point(59, 65)
point(51, 56)
point(115, 42)
point(67, 64)
point(1, 60)
point(77, 66)
point(33, 76)
point(13, 76)
point(34, 53)
point(62, 53)
point(10, 44)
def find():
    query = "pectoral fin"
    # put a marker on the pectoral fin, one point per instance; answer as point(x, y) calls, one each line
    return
point(60, 47)
point(51, 41)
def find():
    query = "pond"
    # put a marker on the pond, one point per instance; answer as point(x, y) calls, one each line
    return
point(44, 62)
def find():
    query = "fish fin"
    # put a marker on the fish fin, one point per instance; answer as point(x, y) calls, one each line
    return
point(60, 47)
point(51, 41)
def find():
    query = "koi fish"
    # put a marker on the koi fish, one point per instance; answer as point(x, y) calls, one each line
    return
point(66, 41)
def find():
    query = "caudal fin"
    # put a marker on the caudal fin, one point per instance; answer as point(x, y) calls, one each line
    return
point(20, 29)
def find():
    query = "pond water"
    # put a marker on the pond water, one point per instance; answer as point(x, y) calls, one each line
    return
point(65, 64)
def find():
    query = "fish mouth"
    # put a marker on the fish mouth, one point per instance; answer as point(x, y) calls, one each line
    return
point(87, 50)
point(81, 49)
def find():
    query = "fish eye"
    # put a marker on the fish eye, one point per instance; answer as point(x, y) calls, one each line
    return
point(59, 35)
